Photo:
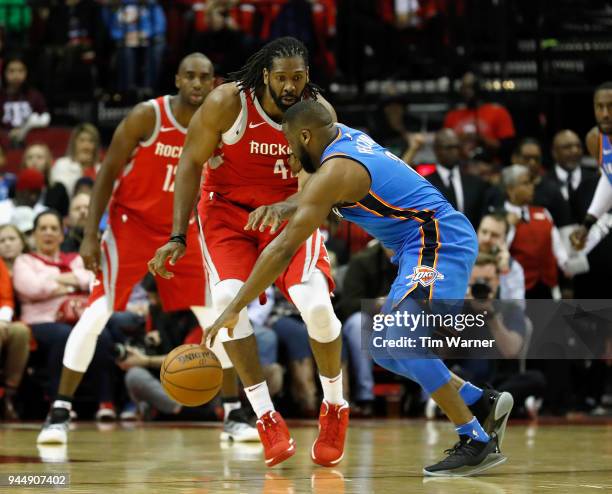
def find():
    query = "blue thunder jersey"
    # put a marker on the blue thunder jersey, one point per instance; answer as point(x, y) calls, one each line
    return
point(605, 156)
point(408, 215)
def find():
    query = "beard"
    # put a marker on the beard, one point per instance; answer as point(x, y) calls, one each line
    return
point(278, 100)
point(307, 163)
point(605, 128)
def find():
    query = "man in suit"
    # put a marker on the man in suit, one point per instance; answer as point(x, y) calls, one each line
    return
point(567, 172)
point(467, 193)
point(547, 194)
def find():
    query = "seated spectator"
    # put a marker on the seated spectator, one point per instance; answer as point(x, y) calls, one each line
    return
point(44, 280)
point(568, 172)
point(479, 124)
point(82, 158)
point(27, 202)
point(492, 233)
point(547, 194)
point(84, 185)
point(38, 156)
point(21, 107)
point(7, 179)
point(14, 345)
point(75, 223)
point(137, 27)
point(369, 275)
point(12, 244)
point(466, 193)
point(533, 238)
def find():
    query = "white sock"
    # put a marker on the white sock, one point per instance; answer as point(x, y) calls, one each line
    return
point(62, 404)
point(332, 389)
point(228, 406)
point(259, 397)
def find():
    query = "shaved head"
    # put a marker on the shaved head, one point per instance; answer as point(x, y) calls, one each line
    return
point(309, 128)
point(193, 56)
point(307, 114)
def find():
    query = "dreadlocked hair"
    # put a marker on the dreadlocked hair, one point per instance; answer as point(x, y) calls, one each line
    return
point(250, 76)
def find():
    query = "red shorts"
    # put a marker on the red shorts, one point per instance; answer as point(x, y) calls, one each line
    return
point(127, 246)
point(230, 252)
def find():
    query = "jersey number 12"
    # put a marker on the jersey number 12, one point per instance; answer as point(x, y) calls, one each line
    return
point(169, 180)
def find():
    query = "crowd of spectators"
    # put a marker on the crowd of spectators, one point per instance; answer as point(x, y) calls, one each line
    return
point(521, 206)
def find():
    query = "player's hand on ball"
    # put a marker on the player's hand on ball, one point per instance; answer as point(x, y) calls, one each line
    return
point(172, 250)
point(90, 252)
point(578, 237)
point(271, 216)
point(228, 319)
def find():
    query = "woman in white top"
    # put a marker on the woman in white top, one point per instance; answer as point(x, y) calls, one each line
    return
point(82, 158)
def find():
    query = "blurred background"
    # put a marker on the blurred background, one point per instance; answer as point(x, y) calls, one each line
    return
point(461, 89)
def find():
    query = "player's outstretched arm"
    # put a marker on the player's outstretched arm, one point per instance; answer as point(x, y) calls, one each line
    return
point(137, 126)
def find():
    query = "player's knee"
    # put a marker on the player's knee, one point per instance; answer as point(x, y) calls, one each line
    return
point(323, 325)
point(93, 320)
point(219, 350)
point(224, 292)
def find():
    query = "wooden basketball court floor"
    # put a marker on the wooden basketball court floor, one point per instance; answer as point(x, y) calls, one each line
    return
point(382, 456)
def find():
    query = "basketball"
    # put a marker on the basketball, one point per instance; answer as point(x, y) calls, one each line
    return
point(191, 375)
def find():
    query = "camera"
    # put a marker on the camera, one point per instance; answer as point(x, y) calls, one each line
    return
point(120, 352)
point(481, 289)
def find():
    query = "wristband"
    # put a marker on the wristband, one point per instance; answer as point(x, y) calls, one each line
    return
point(179, 238)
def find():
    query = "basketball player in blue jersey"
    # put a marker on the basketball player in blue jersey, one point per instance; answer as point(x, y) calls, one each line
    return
point(599, 143)
point(435, 247)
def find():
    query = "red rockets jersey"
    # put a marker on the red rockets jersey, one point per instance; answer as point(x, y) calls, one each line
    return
point(145, 190)
point(250, 168)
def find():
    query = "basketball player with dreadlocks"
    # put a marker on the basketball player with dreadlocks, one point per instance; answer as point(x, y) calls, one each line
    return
point(250, 186)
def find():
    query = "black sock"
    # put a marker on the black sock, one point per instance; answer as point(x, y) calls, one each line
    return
point(64, 398)
point(59, 415)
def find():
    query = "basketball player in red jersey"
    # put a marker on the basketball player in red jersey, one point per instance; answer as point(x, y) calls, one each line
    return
point(249, 186)
point(142, 161)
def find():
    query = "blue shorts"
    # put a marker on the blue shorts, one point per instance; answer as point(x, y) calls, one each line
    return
point(437, 271)
point(441, 266)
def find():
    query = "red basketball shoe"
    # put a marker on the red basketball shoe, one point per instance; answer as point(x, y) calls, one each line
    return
point(277, 442)
point(328, 449)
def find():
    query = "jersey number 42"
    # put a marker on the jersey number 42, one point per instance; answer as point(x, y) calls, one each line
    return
point(280, 167)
